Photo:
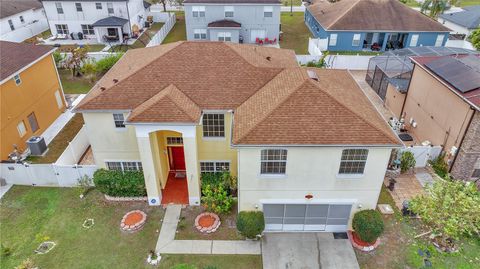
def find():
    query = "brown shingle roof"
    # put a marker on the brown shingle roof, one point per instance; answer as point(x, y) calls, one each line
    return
point(374, 15)
point(225, 23)
point(12, 7)
point(232, 1)
point(15, 56)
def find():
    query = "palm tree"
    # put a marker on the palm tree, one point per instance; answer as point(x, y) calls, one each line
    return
point(435, 7)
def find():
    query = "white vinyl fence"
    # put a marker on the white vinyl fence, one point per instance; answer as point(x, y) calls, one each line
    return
point(25, 32)
point(423, 154)
point(304, 59)
point(158, 38)
point(75, 149)
point(317, 45)
point(352, 62)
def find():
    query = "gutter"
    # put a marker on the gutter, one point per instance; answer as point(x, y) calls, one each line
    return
point(463, 138)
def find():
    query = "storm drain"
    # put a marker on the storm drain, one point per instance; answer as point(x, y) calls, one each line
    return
point(340, 236)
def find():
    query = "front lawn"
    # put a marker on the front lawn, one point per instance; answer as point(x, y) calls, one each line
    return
point(179, 31)
point(288, 3)
point(212, 261)
point(74, 85)
point(295, 32)
point(30, 215)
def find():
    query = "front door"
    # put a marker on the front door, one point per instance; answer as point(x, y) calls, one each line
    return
point(177, 158)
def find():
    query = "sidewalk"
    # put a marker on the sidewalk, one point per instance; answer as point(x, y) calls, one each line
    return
point(167, 244)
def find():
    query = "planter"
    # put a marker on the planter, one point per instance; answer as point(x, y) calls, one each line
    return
point(45, 247)
point(133, 221)
point(154, 258)
point(207, 222)
point(88, 223)
point(361, 245)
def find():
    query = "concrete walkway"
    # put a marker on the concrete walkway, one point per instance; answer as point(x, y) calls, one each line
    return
point(167, 244)
point(4, 189)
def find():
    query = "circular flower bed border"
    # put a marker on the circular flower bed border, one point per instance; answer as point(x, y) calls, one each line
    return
point(88, 223)
point(360, 245)
point(45, 247)
point(133, 221)
point(207, 216)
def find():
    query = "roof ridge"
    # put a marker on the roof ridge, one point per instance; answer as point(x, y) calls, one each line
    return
point(173, 89)
point(344, 13)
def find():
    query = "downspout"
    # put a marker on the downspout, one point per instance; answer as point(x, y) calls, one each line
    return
point(129, 23)
point(463, 138)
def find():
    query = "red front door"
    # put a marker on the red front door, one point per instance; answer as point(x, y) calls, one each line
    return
point(177, 158)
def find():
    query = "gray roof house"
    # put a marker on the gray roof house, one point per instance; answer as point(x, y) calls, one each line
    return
point(463, 22)
point(238, 21)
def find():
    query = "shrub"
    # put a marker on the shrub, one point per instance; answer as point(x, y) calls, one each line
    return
point(118, 183)
point(250, 223)
point(407, 161)
point(5, 251)
point(26, 264)
point(216, 199)
point(368, 225)
point(106, 63)
point(440, 166)
point(89, 69)
point(225, 179)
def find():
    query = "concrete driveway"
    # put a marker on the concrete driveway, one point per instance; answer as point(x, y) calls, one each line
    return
point(307, 251)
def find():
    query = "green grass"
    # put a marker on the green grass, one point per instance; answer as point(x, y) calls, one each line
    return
point(60, 142)
point(295, 32)
point(218, 261)
point(74, 85)
point(464, 3)
point(30, 213)
point(295, 2)
point(178, 32)
point(91, 48)
point(43, 35)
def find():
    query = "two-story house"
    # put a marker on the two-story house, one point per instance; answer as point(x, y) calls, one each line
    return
point(372, 25)
point(238, 21)
point(21, 19)
point(308, 147)
point(98, 21)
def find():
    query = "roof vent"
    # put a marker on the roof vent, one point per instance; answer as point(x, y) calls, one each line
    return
point(115, 80)
point(312, 75)
point(269, 58)
point(102, 88)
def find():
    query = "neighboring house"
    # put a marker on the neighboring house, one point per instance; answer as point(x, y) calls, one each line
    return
point(101, 21)
point(379, 25)
point(21, 19)
point(463, 22)
point(308, 147)
point(238, 21)
point(31, 93)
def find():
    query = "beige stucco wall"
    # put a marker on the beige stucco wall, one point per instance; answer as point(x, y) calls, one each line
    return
point(394, 100)
point(441, 115)
point(311, 170)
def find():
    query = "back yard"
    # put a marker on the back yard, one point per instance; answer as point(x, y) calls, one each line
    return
point(295, 32)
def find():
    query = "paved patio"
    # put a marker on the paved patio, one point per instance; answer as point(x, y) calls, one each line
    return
point(410, 185)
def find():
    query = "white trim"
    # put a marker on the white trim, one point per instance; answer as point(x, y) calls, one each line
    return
point(185, 130)
point(28, 66)
point(232, 4)
point(309, 201)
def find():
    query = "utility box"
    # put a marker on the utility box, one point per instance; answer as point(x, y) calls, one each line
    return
point(37, 145)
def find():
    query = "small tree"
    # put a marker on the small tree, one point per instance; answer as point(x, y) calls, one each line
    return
point(216, 199)
point(450, 208)
point(475, 38)
point(76, 59)
point(407, 161)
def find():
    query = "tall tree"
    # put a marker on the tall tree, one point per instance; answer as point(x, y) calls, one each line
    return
point(434, 7)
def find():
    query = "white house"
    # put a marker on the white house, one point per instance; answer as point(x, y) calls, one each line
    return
point(308, 147)
point(462, 22)
point(112, 21)
point(21, 19)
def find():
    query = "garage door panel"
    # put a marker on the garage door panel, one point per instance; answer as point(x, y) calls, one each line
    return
point(339, 211)
point(317, 211)
point(294, 221)
point(274, 220)
point(314, 227)
point(315, 221)
point(297, 211)
point(337, 221)
point(273, 210)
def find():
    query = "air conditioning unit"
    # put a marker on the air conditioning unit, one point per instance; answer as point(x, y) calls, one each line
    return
point(37, 145)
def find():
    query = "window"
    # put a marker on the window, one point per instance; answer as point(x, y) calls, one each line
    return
point(174, 140)
point(353, 161)
point(59, 8)
point(476, 173)
point(439, 41)
point(119, 120)
point(224, 36)
point(110, 8)
point(267, 12)
point(273, 161)
point(12, 27)
point(214, 167)
point(356, 40)
point(62, 29)
point(124, 166)
point(333, 40)
point(87, 29)
point(21, 129)
point(198, 11)
point(200, 34)
point(78, 6)
point(98, 6)
point(228, 12)
point(22, 20)
point(213, 125)
point(58, 97)
point(17, 79)
point(414, 41)
point(32, 120)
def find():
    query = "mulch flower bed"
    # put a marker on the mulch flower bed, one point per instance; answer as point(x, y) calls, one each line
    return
point(207, 222)
point(362, 245)
point(133, 221)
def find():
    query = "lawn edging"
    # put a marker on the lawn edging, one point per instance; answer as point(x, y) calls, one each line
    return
point(125, 199)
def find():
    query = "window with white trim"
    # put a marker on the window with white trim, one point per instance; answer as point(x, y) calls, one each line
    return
point(10, 23)
point(273, 161)
point(214, 167)
point(21, 129)
point(333, 40)
point(353, 161)
point(62, 29)
point(78, 6)
point(198, 11)
point(229, 11)
point(268, 12)
point(110, 9)
point(87, 29)
point(356, 40)
point(200, 34)
point(213, 125)
point(414, 40)
point(119, 120)
point(224, 36)
point(58, 98)
point(22, 20)
point(173, 140)
point(98, 6)
point(17, 79)
point(124, 166)
point(59, 8)
point(439, 41)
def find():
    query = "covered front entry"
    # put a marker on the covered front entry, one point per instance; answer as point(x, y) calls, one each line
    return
point(176, 158)
point(307, 217)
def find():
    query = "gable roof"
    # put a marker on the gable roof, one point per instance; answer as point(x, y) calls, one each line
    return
point(12, 7)
point(374, 15)
point(110, 21)
point(469, 18)
point(267, 90)
point(225, 23)
point(15, 56)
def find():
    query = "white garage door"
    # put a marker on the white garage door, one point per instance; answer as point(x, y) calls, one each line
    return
point(307, 217)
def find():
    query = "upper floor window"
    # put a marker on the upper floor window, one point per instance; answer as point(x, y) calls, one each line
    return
point(229, 12)
point(78, 6)
point(59, 8)
point(22, 20)
point(110, 8)
point(87, 29)
point(333, 40)
point(224, 36)
point(12, 27)
point(268, 12)
point(353, 161)
point(198, 11)
point(119, 120)
point(200, 34)
point(62, 29)
point(32, 120)
point(17, 79)
point(356, 40)
point(273, 161)
point(124, 166)
point(98, 5)
point(213, 125)
point(214, 167)
point(21, 129)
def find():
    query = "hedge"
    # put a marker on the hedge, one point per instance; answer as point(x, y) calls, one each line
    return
point(368, 225)
point(250, 223)
point(120, 184)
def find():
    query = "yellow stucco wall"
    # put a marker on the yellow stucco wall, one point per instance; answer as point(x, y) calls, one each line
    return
point(36, 94)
